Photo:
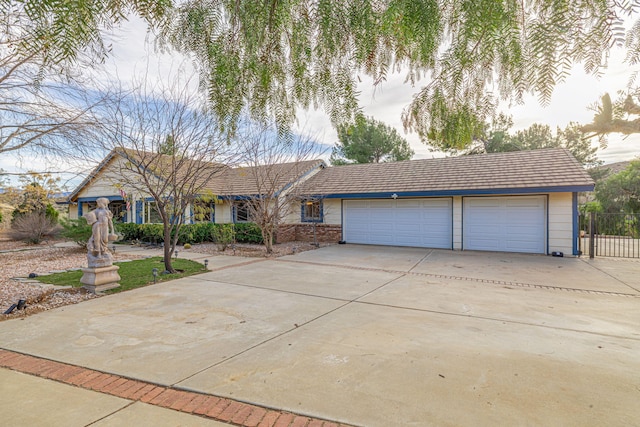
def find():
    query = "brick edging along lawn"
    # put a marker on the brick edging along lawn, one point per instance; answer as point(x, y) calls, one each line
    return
point(204, 405)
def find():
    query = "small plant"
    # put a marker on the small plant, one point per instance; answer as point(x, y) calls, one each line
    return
point(187, 245)
point(34, 227)
point(223, 235)
point(76, 230)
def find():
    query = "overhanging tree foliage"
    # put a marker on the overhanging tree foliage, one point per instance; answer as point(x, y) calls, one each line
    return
point(277, 57)
point(369, 141)
point(614, 117)
point(59, 31)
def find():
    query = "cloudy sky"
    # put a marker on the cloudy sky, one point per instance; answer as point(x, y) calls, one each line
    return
point(133, 54)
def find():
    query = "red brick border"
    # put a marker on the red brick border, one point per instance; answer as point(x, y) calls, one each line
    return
point(199, 404)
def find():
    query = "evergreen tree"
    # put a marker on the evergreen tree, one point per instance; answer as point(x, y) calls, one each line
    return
point(369, 141)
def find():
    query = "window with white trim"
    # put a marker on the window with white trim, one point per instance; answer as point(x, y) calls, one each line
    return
point(311, 210)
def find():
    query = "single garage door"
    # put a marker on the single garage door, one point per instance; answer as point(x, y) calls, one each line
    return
point(403, 222)
point(505, 224)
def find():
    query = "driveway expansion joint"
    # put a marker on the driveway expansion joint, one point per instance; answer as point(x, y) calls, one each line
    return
point(222, 409)
point(469, 279)
point(610, 275)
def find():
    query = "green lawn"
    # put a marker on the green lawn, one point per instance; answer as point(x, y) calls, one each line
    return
point(133, 274)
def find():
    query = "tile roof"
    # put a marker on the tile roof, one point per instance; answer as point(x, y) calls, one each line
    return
point(262, 179)
point(220, 179)
point(545, 168)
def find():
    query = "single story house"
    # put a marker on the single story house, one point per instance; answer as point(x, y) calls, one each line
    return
point(525, 201)
point(230, 189)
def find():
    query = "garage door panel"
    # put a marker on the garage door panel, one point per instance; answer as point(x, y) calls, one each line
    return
point(408, 203)
point(511, 224)
point(514, 245)
point(411, 216)
point(403, 222)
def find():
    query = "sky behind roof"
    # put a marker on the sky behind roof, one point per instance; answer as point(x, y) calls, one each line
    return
point(133, 53)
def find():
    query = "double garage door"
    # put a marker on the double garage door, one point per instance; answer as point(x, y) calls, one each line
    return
point(403, 222)
point(505, 224)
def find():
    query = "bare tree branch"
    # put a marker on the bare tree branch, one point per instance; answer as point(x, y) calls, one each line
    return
point(42, 110)
point(273, 166)
point(165, 146)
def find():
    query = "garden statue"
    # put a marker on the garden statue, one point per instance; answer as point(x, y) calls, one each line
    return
point(101, 274)
point(102, 232)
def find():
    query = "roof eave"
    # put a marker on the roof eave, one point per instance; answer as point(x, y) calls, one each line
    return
point(92, 175)
point(462, 192)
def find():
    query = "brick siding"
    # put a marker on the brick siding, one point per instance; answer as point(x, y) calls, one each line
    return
point(325, 233)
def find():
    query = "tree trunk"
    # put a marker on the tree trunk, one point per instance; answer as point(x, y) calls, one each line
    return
point(267, 237)
point(168, 250)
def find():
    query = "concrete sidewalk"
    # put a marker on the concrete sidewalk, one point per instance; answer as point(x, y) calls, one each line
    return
point(368, 336)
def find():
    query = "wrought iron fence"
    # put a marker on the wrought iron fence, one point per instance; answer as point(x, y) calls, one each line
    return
point(610, 235)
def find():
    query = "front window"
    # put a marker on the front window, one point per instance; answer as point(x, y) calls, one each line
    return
point(152, 214)
point(311, 211)
point(242, 212)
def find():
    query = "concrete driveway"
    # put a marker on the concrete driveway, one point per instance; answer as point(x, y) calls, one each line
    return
point(376, 336)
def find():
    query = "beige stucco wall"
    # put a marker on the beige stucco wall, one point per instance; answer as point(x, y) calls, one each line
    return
point(561, 223)
point(332, 210)
point(223, 213)
point(457, 223)
point(73, 211)
point(105, 182)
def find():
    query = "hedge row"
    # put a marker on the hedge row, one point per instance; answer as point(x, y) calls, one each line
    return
point(189, 233)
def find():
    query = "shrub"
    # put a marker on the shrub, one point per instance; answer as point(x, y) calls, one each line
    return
point(33, 227)
point(152, 233)
point(187, 246)
point(129, 231)
point(248, 232)
point(202, 231)
point(223, 235)
point(185, 235)
point(77, 230)
point(49, 211)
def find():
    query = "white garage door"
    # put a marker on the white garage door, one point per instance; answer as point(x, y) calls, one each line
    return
point(403, 222)
point(505, 224)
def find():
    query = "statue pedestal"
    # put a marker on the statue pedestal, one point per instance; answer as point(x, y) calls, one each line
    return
point(100, 279)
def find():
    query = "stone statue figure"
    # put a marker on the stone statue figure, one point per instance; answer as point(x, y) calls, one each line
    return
point(103, 231)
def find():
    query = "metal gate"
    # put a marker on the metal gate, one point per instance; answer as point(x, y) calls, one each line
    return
point(610, 235)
